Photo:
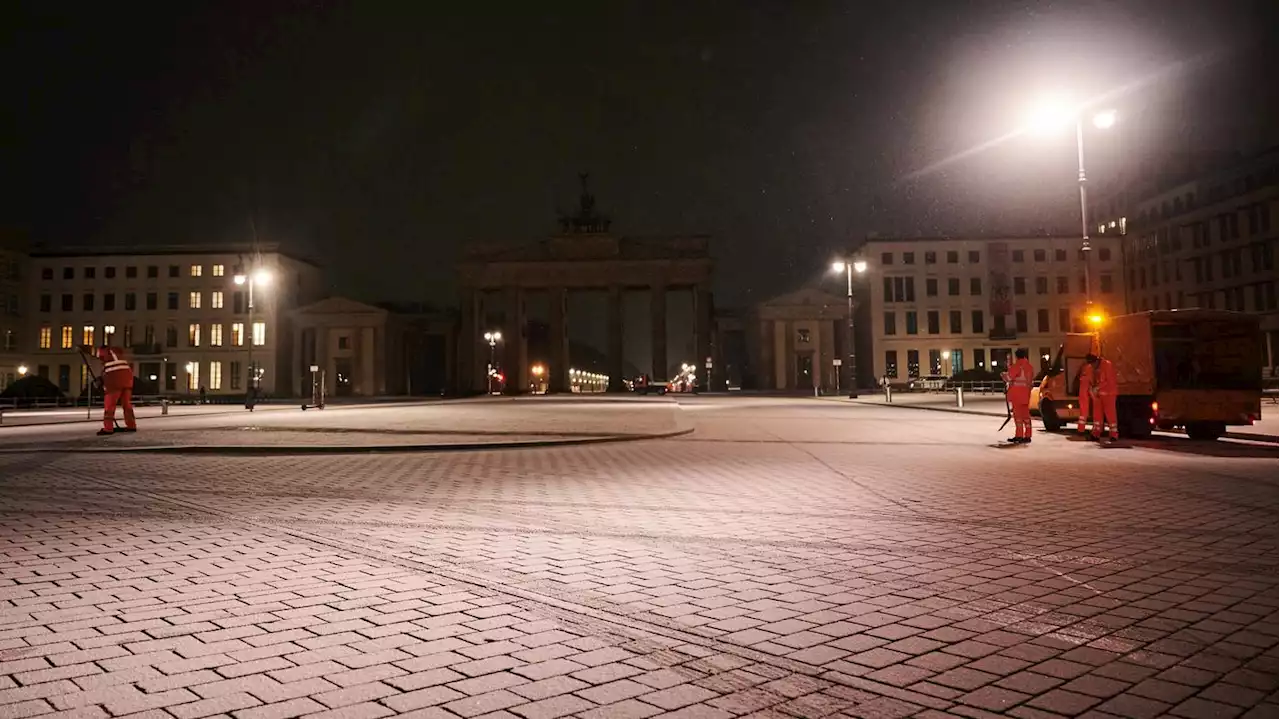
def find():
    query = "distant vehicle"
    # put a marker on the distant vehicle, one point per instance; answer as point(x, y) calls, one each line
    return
point(1200, 370)
point(646, 386)
point(928, 382)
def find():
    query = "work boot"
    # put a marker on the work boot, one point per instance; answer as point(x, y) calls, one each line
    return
point(105, 433)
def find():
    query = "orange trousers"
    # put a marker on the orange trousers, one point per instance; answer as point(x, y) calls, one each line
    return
point(1084, 410)
point(1104, 416)
point(122, 397)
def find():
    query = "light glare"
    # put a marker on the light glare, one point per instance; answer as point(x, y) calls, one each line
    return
point(1104, 119)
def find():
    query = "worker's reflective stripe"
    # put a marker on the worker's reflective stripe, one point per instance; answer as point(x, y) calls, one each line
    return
point(115, 364)
point(1021, 379)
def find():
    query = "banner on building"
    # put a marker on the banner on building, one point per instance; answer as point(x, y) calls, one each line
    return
point(1000, 286)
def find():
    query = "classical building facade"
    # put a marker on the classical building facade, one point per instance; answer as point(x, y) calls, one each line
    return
point(1208, 241)
point(13, 270)
point(797, 338)
point(363, 350)
point(495, 286)
point(183, 314)
point(939, 306)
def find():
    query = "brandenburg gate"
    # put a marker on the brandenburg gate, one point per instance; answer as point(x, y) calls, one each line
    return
point(583, 256)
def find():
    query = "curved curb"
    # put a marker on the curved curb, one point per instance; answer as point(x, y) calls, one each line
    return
point(286, 450)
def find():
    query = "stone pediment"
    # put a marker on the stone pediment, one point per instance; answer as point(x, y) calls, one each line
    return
point(807, 303)
point(340, 306)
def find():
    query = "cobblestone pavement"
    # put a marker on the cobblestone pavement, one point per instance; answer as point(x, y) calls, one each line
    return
point(484, 421)
point(790, 558)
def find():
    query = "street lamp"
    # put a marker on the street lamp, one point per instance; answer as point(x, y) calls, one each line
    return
point(1049, 115)
point(849, 268)
point(946, 359)
point(493, 338)
point(258, 277)
point(22, 370)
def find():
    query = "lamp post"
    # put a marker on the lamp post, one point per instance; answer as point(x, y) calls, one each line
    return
point(849, 268)
point(258, 277)
point(1050, 116)
point(946, 363)
point(493, 338)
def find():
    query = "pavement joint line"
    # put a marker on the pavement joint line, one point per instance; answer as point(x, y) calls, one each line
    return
point(604, 617)
point(295, 450)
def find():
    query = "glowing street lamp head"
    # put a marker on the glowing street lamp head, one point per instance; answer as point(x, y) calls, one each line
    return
point(262, 277)
point(1105, 119)
point(1050, 114)
point(837, 266)
point(240, 279)
point(860, 266)
point(1096, 319)
point(22, 370)
point(494, 336)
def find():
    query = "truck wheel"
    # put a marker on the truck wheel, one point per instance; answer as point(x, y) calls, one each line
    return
point(1135, 425)
point(1049, 416)
point(1206, 431)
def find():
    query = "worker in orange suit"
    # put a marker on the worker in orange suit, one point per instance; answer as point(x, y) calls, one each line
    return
point(1018, 382)
point(1083, 392)
point(117, 389)
point(1105, 388)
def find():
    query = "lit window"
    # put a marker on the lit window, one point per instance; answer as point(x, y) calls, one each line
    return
point(87, 335)
point(259, 333)
point(215, 297)
point(68, 337)
point(237, 334)
point(194, 301)
point(193, 376)
point(46, 337)
point(218, 270)
point(215, 335)
point(215, 371)
point(193, 335)
point(196, 270)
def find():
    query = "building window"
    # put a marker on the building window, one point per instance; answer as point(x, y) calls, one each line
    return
point(913, 363)
point(1104, 254)
point(131, 272)
point(86, 335)
point(1060, 255)
point(956, 322)
point(931, 287)
point(953, 286)
point(1064, 319)
point(802, 337)
point(68, 273)
point(344, 342)
point(886, 258)
point(1106, 284)
point(193, 299)
point(152, 272)
point(236, 374)
point(68, 303)
point(980, 358)
point(952, 257)
point(149, 335)
point(152, 300)
point(174, 271)
point(173, 300)
point(891, 323)
point(1019, 285)
point(935, 362)
point(237, 302)
point(193, 335)
point(913, 325)
point(237, 334)
point(68, 337)
point(90, 273)
point(975, 286)
point(1019, 256)
point(933, 321)
point(891, 364)
point(193, 376)
point(1064, 286)
point(110, 273)
point(908, 258)
point(46, 337)
point(976, 322)
point(127, 340)
point(170, 336)
point(1042, 320)
point(109, 302)
point(215, 335)
point(899, 289)
point(46, 273)
point(215, 371)
point(130, 301)
point(197, 270)
point(1042, 285)
point(931, 258)
point(975, 256)
point(1020, 320)
point(218, 270)
point(1040, 255)
point(215, 297)
point(46, 303)
point(259, 333)
point(87, 302)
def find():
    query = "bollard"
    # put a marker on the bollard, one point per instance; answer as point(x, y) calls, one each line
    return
point(164, 406)
point(960, 397)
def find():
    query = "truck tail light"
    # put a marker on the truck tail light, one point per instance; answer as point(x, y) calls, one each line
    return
point(1155, 408)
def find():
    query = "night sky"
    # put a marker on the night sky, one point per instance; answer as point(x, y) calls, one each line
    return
point(382, 139)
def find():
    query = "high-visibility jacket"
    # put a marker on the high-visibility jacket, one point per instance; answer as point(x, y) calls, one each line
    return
point(1104, 378)
point(116, 372)
point(1021, 376)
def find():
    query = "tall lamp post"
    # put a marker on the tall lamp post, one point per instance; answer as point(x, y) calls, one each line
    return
point(258, 277)
point(849, 268)
point(1049, 117)
point(493, 338)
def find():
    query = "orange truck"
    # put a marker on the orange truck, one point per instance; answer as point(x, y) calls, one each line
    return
point(1197, 370)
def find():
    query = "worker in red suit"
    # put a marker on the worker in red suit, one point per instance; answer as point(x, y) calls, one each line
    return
point(117, 389)
point(1083, 394)
point(1105, 388)
point(1019, 379)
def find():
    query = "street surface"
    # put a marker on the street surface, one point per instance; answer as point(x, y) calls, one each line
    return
point(788, 558)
